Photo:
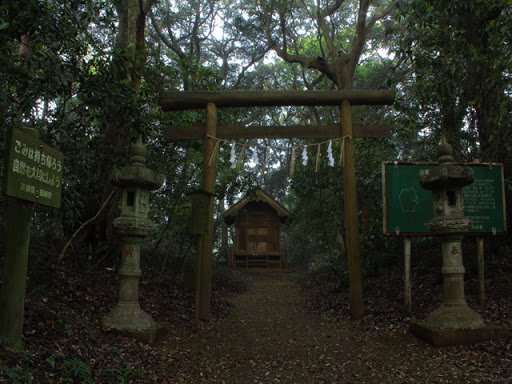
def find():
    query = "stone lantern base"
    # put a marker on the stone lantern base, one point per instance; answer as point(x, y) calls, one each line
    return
point(128, 319)
point(455, 316)
point(128, 316)
point(441, 337)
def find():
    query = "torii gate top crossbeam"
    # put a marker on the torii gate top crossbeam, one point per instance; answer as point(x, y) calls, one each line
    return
point(180, 100)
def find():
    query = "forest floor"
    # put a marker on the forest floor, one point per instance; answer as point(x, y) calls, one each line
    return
point(270, 337)
point(265, 328)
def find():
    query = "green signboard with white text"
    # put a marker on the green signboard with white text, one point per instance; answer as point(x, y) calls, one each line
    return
point(32, 170)
point(408, 207)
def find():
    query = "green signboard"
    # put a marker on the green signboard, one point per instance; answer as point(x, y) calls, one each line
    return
point(408, 207)
point(32, 169)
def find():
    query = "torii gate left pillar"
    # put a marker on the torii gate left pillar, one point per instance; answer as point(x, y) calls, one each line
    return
point(351, 216)
point(204, 288)
point(344, 99)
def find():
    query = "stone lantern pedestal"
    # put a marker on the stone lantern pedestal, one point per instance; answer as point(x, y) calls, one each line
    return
point(454, 322)
point(132, 227)
point(454, 312)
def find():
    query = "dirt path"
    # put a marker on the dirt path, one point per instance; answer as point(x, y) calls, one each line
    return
point(271, 338)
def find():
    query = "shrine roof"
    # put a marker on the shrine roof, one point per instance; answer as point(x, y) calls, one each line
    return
point(256, 195)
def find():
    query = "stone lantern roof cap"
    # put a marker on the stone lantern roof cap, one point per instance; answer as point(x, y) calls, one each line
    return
point(138, 152)
point(446, 175)
point(444, 151)
point(136, 175)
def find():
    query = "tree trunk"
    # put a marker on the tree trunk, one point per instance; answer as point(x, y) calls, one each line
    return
point(129, 61)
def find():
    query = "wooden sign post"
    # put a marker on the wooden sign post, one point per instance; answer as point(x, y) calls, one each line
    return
point(211, 100)
point(12, 294)
point(32, 173)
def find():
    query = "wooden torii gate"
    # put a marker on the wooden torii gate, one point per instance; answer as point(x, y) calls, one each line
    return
point(211, 100)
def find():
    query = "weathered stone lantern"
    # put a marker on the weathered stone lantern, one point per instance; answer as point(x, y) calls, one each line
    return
point(132, 226)
point(446, 182)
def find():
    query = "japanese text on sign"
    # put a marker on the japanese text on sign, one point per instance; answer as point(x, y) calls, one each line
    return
point(33, 170)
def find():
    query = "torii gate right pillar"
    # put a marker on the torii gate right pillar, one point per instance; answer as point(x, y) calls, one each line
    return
point(351, 219)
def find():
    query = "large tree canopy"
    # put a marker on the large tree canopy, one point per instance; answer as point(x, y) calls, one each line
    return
point(460, 71)
point(86, 75)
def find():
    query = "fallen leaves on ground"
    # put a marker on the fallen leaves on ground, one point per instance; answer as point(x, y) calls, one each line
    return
point(265, 328)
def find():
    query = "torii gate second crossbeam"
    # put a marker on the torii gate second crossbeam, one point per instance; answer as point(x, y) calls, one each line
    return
point(211, 100)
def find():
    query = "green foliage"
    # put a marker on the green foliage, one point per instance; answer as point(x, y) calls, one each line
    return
point(17, 374)
point(125, 372)
point(459, 62)
point(316, 227)
point(46, 90)
point(10, 343)
point(75, 370)
point(51, 360)
point(315, 232)
point(69, 370)
point(14, 375)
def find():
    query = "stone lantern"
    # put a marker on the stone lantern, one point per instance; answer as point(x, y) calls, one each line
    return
point(446, 182)
point(132, 226)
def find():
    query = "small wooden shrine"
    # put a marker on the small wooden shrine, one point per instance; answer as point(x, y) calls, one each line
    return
point(257, 242)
